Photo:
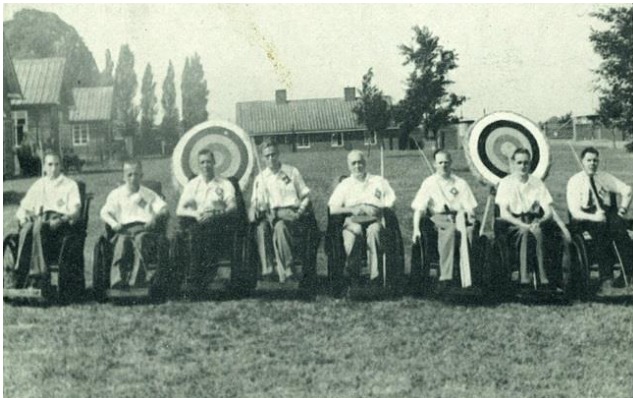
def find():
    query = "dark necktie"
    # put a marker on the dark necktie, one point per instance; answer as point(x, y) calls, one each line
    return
point(595, 192)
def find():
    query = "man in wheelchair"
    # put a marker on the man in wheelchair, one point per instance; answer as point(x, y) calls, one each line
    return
point(280, 207)
point(207, 216)
point(46, 215)
point(591, 200)
point(137, 216)
point(362, 198)
point(526, 223)
point(448, 202)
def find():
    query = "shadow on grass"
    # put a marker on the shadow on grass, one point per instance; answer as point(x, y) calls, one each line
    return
point(12, 198)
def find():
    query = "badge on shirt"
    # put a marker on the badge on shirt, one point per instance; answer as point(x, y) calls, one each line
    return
point(454, 191)
point(284, 178)
point(142, 203)
point(378, 194)
point(60, 202)
point(535, 207)
point(220, 192)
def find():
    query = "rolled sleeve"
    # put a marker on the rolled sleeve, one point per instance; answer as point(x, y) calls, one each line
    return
point(390, 196)
point(422, 198)
point(300, 185)
point(186, 198)
point(574, 199)
point(338, 196)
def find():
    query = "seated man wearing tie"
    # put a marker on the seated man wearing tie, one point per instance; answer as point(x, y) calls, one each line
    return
point(450, 204)
point(46, 214)
point(589, 201)
point(134, 213)
point(362, 197)
point(207, 212)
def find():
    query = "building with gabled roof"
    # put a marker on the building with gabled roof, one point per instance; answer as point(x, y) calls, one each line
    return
point(43, 108)
point(89, 129)
point(321, 123)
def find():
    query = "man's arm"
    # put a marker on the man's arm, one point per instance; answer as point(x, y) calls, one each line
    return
point(626, 192)
point(417, 216)
point(574, 204)
point(187, 204)
point(108, 214)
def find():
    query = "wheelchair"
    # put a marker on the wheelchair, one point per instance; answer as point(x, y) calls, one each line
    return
point(425, 264)
point(392, 272)
point(585, 261)
point(64, 280)
point(157, 288)
point(233, 273)
point(306, 248)
point(505, 264)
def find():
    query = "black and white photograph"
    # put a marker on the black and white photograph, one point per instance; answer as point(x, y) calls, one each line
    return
point(317, 200)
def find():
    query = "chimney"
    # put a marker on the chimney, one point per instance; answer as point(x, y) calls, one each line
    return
point(350, 93)
point(280, 97)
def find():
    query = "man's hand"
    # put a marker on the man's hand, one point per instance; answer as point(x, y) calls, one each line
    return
point(372, 211)
point(416, 235)
point(287, 214)
point(357, 210)
point(151, 224)
point(622, 211)
point(55, 223)
point(600, 216)
point(566, 234)
point(117, 227)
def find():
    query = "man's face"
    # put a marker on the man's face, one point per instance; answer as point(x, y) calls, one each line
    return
point(443, 163)
point(356, 164)
point(271, 157)
point(206, 164)
point(522, 164)
point(52, 166)
point(590, 162)
point(132, 175)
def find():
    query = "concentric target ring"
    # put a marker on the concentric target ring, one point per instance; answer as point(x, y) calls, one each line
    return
point(492, 140)
point(231, 147)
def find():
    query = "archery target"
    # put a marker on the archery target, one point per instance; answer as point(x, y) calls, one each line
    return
point(231, 148)
point(493, 139)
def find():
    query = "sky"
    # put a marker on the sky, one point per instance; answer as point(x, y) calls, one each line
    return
point(535, 59)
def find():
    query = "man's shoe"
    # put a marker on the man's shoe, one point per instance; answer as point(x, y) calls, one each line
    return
point(606, 287)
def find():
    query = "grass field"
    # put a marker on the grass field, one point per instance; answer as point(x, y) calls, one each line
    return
point(271, 347)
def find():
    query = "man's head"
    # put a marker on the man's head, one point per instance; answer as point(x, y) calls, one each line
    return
point(52, 164)
point(206, 163)
point(270, 152)
point(443, 162)
point(521, 161)
point(590, 158)
point(132, 174)
point(356, 163)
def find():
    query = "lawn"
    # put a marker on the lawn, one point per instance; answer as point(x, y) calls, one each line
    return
point(266, 346)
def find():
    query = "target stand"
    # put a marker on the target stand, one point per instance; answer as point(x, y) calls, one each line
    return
point(231, 147)
point(489, 146)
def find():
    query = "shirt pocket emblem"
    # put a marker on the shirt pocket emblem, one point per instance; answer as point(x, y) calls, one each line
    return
point(142, 203)
point(60, 202)
point(378, 194)
point(454, 191)
point(285, 178)
point(220, 192)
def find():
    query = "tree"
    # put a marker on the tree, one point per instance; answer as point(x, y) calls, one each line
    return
point(106, 78)
point(125, 85)
point(169, 125)
point(372, 110)
point(194, 93)
point(148, 106)
point(615, 46)
point(427, 101)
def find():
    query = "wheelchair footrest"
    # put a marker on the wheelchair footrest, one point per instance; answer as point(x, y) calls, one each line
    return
point(128, 293)
point(272, 285)
point(23, 293)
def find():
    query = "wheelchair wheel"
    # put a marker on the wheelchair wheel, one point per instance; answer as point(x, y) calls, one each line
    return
point(71, 271)
point(580, 272)
point(100, 270)
point(10, 246)
point(500, 273)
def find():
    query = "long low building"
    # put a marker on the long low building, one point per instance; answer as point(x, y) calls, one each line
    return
point(307, 124)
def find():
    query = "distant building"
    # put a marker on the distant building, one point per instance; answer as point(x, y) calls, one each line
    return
point(39, 115)
point(88, 132)
point(12, 91)
point(307, 124)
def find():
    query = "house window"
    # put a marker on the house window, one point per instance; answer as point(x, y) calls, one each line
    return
point(20, 125)
point(370, 138)
point(81, 135)
point(303, 141)
point(336, 140)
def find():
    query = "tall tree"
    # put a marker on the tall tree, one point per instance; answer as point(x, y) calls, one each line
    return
point(125, 85)
point(148, 106)
point(372, 110)
point(615, 46)
point(169, 125)
point(427, 101)
point(106, 78)
point(194, 93)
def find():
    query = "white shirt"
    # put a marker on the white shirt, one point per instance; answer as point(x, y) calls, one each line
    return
point(198, 196)
point(521, 197)
point(437, 192)
point(285, 188)
point(372, 190)
point(580, 195)
point(127, 207)
point(60, 195)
